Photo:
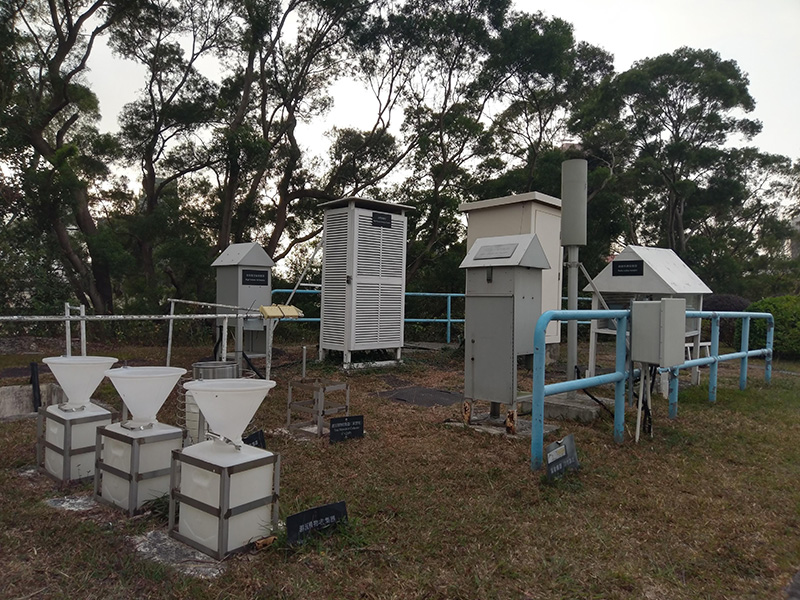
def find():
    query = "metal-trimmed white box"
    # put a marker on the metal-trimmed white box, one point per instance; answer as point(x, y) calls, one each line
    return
point(227, 499)
point(65, 447)
point(133, 466)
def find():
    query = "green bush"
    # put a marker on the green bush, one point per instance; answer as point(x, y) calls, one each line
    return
point(728, 328)
point(786, 311)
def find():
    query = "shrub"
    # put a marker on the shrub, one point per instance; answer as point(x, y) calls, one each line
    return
point(786, 311)
point(727, 302)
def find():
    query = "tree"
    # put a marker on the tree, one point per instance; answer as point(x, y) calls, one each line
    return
point(167, 130)
point(46, 120)
point(680, 110)
point(663, 132)
point(447, 115)
point(540, 72)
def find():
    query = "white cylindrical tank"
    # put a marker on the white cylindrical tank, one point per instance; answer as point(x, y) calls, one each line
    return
point(573, 202)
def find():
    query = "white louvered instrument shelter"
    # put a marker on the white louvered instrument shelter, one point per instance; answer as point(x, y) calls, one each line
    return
point(363, 276)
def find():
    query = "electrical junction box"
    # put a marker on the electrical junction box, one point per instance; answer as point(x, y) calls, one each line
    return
point(658, 332)
point(504, 297)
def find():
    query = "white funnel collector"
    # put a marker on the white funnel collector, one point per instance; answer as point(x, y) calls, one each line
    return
point(78, 376)
point(229, 404)
point(144, 390)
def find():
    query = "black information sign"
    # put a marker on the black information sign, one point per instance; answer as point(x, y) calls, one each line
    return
point(256, 439)
point(561, 456)
point(253, 277)
point(300, 525)
point(627, 268)
point(346, 428)
point(380, 219)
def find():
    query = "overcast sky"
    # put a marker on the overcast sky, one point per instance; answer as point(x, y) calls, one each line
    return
point(762, 36)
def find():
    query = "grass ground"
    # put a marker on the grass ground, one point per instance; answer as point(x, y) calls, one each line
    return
point(707, 508)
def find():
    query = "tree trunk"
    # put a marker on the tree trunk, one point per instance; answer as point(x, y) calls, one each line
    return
point(71, 258)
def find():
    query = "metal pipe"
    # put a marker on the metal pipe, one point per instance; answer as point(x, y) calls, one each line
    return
point(572, 385)
point(169, 333)
point(539, 392)
point(572, 304)
point(449, 304)
point(713, 370)
point(673, 393)
point(83, 331)
point(68, 317)
point(619, 387)
point(238, 343)
point(65, 318)
point(214, 305)
point(224, 343)
point(768, 362)
point(744, 348)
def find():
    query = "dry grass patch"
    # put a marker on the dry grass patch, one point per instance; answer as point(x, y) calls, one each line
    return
point(709, 508)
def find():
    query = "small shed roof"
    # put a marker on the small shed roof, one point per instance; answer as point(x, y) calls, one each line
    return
point(523, 250)
point(248, 254)
point(380, 205)
point(512, 199)
point(644, 270)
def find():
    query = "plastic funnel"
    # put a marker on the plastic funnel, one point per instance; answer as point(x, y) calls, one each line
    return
point(229, 404)
point(144, 389)
point(79, 376)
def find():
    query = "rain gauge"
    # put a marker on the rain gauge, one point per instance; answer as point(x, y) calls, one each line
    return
point(65, 447)
point(227, 490)
point(133, 457)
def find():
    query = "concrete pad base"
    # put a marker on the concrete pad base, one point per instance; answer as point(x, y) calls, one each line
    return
point(159, 547)
point(486, 424)
point(569, 406)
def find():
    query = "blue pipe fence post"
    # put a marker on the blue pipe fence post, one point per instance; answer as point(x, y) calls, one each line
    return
point(540, 390)
point(744, 348)
point(619, 386)
point(449, 306)
point(770, 339)
point(673, 393)
point(714, 369)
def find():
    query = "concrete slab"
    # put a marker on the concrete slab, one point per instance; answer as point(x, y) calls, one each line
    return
point(422, 396)
point(793, 590)
point(159, 547)
point(17, 400)
point(485, 424)
point(569, 406)
point(72, 503)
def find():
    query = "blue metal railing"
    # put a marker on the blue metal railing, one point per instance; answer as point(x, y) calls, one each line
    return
point(540, 390)
point(713, 361)
point(448, 319)
point(618, 377)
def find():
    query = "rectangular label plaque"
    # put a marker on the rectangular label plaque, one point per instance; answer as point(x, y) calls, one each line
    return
point(256, 439)
point(496, 251)
point(346, 428)
point(627, 268)
point(253, 277)
point(380, 219)
point(561, 456)
point(300, 525)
